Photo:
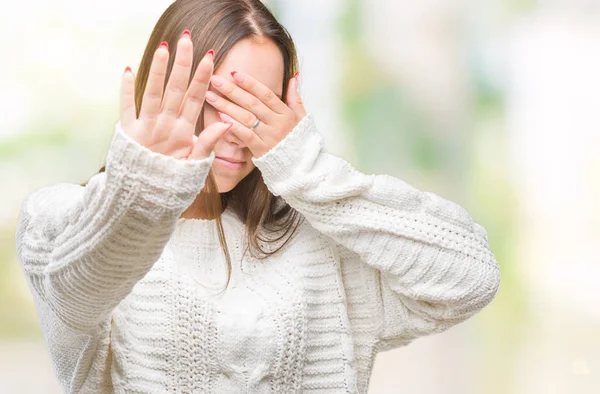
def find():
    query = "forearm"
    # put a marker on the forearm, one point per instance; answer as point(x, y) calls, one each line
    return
point(84, 248)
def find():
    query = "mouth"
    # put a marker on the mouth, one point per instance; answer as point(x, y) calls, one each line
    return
point(233, 165)
point(230, 160)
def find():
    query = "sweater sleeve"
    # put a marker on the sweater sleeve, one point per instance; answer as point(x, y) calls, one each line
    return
point(432, 262)
point(82, 249)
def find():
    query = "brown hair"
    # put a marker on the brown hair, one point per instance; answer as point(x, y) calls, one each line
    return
point(219, 25)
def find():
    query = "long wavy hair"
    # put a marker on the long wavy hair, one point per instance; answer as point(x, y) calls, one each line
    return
point(219, 25)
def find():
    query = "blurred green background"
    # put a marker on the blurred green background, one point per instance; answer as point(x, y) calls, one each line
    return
point(491, 104)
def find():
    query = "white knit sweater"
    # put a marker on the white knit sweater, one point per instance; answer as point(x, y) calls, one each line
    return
point(125, 289)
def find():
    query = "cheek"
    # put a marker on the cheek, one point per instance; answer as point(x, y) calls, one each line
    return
point(251, 167)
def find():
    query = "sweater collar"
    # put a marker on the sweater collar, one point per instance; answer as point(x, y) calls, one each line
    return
point(192, 230)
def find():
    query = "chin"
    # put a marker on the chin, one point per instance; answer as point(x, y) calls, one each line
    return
point(225, 188)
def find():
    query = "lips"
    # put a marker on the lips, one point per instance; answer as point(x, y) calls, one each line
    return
point(230, 159)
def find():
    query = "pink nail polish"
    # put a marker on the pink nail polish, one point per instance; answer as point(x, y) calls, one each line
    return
point(164, 44)
point(211, 96)
point(186, 31)
point(211, 53)
point(225, 118)
point(238, 77)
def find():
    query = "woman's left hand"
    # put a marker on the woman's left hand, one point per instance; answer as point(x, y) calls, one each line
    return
point(250, 100)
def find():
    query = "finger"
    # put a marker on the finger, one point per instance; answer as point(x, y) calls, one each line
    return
point(127, 114)
point(263, 93)
point(294, 100)
point(221, 104)
point(194, 98)
point(156, 79)
point(243, 99)
point(180, 76)
point(205, 143)
point(247, 136)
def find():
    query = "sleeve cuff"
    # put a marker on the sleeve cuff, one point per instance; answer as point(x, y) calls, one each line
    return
point(157, 174)
point(293, 156)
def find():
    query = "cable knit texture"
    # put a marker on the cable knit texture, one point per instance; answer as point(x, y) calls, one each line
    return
point(128, 292)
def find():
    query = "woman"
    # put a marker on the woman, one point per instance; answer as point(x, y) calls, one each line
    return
point(125, 269)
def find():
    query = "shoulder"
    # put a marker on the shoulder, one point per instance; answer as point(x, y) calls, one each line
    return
point(53, 195)
point(50, 206)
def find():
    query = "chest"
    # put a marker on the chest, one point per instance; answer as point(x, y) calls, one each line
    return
point(258, 332)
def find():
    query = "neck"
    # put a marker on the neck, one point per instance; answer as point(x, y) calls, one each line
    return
point(196, 211)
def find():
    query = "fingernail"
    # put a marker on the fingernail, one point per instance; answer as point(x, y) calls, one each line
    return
point(164, 44)
point(186, 32)
point(295, 83)
point(127, 69)
point(210, 96)
point(237, 76)
point(210, 53)
point(224, 117)
point(216, 80)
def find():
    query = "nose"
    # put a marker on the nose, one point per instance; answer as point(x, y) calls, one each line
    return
point(231, 138)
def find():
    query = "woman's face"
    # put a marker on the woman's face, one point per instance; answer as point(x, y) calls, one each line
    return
point(260, 58)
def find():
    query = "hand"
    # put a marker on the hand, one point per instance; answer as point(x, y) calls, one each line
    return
point(251, 99)
point(167, 124)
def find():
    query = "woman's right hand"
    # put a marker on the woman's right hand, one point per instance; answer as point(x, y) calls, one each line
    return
point(167, 124)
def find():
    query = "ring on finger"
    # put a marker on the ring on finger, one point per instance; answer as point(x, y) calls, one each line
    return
point(256, 123)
